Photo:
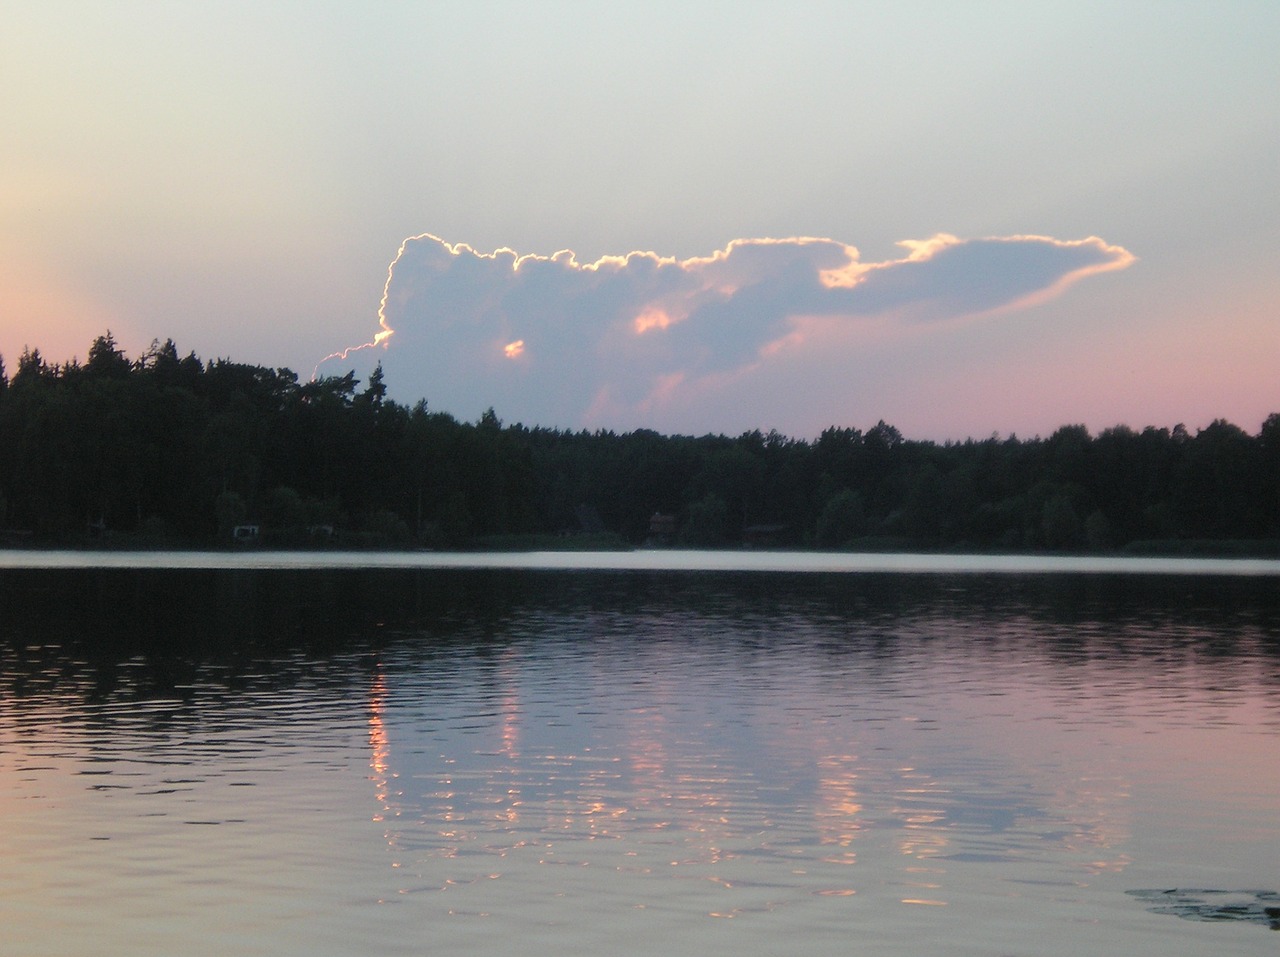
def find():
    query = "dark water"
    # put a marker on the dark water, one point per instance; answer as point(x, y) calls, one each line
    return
point(345, 761)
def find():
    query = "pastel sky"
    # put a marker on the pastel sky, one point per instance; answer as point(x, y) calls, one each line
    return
point(960, 218)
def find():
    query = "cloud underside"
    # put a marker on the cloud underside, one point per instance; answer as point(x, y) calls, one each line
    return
point(553, 341)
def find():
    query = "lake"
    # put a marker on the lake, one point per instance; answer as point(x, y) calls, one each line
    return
point(637, 753)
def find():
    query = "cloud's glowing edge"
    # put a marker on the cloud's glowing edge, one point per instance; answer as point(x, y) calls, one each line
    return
point(852, 273)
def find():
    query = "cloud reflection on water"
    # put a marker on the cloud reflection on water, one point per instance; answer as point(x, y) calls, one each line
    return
point(730, 745)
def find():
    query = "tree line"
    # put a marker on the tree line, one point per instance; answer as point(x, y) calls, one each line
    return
point(168, 449)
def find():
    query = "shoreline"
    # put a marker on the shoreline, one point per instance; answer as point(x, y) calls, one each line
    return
point(643, 560)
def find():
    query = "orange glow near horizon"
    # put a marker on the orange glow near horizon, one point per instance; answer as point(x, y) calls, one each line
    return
point(67, 319)
point(513, 350)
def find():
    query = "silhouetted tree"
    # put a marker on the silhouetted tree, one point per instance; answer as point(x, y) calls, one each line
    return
point(170, 445)
point(107, 360)
point(707, 525)
point(841, 520)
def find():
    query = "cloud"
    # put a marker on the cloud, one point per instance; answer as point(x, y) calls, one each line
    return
point(621, 341)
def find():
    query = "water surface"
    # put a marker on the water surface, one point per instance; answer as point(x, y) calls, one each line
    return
point(353, 761)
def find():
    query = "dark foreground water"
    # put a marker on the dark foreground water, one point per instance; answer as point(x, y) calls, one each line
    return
point(575, 762)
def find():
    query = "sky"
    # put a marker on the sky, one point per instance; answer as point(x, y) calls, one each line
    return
point(964, 219)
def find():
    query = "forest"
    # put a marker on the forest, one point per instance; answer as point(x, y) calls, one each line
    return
point(167, 450)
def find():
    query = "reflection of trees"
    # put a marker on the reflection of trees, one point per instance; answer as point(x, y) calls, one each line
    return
point(764, 713)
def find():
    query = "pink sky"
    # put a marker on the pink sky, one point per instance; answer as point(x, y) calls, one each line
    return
point(240, 179)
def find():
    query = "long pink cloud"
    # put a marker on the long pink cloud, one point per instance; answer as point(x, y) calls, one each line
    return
point(552, 341)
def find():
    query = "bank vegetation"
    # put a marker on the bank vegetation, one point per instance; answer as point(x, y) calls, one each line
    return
point(168, 450)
